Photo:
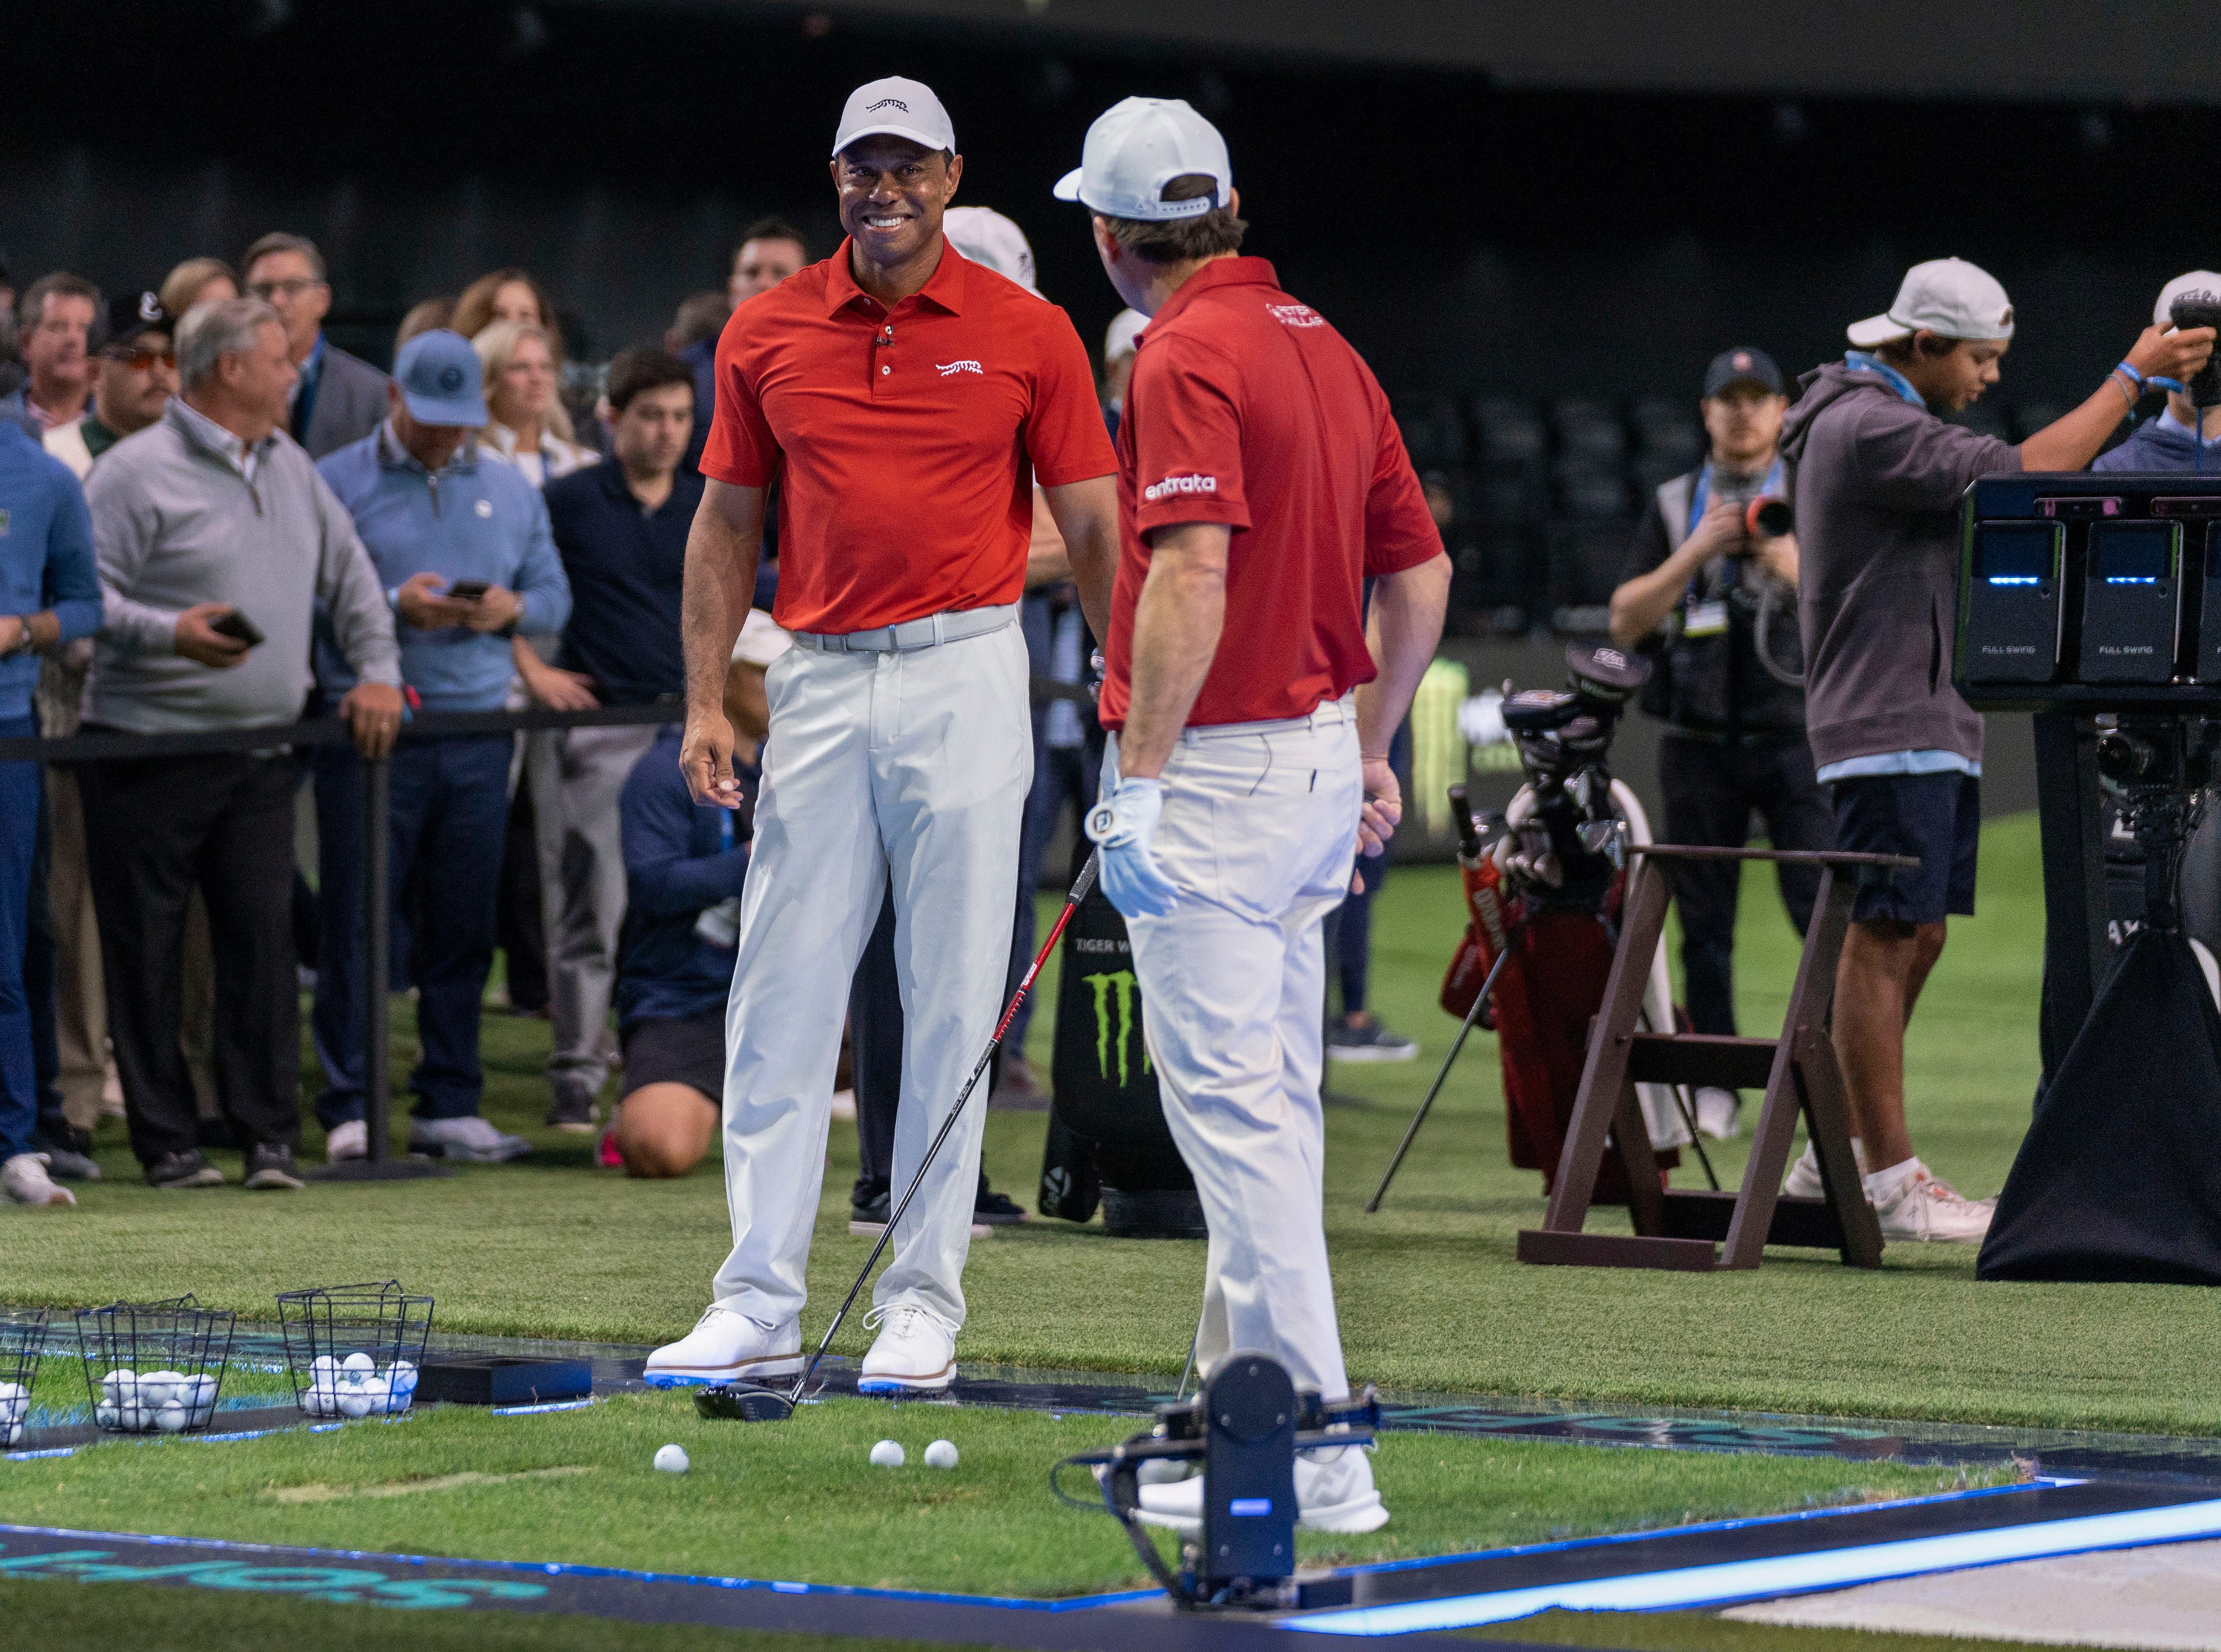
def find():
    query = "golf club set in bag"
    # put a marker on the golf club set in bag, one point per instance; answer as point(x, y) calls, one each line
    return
point(1543, 882)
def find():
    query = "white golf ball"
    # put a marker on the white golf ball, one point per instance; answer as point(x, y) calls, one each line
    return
point(202, 1394)
point(323, 1368)
point(360, 1363)
point(159, 1388)
point(118, 1385)
point(12, 1391)
point(106, 1415)
point(672, 1459)
point(171, 1418)
point(14, 1433)
point(202, 1414)
point(131, 1418)
point(942, 1453)
point(888, 1453)
point(354, 1403)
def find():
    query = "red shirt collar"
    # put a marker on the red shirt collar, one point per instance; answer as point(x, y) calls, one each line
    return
point(1219, 273)
point(944, 289)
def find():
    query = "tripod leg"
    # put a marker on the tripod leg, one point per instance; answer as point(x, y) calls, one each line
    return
point(1372, 1205)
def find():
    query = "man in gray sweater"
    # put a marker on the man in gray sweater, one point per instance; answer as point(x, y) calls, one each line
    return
point(1879, 478)
point(216, 541)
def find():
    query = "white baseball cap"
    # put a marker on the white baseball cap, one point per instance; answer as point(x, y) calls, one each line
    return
point(2202, 285)
point(1947, 296)
point(985, 236)
point(1136, 147)
point(907, 109)
point(1123, 334)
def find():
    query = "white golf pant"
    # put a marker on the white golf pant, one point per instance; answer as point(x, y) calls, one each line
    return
point(1259, 833)
point(915, 764)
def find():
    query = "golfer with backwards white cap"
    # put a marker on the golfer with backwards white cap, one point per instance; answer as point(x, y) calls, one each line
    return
point(1261, 483)
point(1877, 481)
point(906, 400)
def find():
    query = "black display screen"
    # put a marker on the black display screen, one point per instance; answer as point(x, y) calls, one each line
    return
point(2132, 552)
point(2011, 553)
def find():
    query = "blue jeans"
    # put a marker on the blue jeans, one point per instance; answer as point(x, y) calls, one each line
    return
point(450, 802)
point(1060, 772)
point(21, 797)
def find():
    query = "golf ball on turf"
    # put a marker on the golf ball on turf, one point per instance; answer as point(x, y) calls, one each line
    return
point(672, 1459)
point(942, 1453)
point(888, 1453)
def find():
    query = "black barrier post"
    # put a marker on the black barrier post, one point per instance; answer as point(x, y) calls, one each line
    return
point(378, 967)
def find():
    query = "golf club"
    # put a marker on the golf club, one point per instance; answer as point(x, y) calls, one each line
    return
point(749, 1402)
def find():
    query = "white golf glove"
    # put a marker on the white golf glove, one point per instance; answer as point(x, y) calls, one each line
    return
point(1120, 826)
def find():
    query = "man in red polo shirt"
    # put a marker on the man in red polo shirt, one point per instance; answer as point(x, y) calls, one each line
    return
point(1261, 484)
point(906, 401)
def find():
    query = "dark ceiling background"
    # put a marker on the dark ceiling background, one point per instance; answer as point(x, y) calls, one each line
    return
point(1465, 230)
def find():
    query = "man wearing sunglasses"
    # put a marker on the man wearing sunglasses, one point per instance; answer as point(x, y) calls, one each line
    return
point(134, 373)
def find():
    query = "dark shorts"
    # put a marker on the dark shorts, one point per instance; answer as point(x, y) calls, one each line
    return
point(1936, 817)
point(690, 1052)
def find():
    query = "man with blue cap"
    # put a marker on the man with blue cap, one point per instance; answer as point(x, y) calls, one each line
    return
point(464, 554)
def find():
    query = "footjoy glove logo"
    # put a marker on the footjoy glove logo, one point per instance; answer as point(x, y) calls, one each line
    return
point(950, 369)
point(1176, 484)
point(1115, 1022)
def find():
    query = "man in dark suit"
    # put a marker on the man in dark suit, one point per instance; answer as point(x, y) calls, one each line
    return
point(338, 398)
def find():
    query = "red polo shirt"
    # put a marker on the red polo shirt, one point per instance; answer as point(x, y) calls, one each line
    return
point(907, 441)
point(1247, 409)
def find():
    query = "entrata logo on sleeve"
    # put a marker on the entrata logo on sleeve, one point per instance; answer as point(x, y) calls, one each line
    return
point(1174, 486)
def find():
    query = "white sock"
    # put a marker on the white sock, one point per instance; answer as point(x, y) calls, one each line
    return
point(1881, 1185)
point(1858, 1155)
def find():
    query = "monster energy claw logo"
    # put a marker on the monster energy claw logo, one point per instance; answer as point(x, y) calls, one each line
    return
point(1119, 985)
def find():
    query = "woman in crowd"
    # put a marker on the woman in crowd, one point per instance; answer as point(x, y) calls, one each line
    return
point(424, 315)
point(527, 425)
point(198, 281)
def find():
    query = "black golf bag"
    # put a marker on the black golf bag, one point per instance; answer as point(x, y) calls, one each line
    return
point(1107, 1138)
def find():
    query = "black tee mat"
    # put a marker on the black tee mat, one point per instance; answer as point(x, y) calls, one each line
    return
point(2119, 1176)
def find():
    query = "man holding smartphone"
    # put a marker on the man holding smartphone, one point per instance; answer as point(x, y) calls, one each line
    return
point(463, 552)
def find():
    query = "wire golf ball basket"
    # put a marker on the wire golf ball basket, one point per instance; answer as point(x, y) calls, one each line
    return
point(154, 1367)
point(354, 1350)
point(22, 1341)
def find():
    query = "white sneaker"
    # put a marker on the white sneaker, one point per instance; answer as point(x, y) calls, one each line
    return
point(725, 1346)
point(347, 1141)
point(1333, 1493)
point(24, 1179)
point(915, 1352)
point(1926, 1207)
point(1804, 1180)
point(471, 1139)
point(1717, 1111)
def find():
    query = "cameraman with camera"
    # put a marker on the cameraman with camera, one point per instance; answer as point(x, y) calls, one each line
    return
point(1879, 478)
point(2187, 436)
point(1710, 591)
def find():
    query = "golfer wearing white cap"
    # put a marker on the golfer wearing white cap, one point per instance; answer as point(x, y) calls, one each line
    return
point(905, 400)
point(1877, 481)
point(2182, 438)
point(1261, 483)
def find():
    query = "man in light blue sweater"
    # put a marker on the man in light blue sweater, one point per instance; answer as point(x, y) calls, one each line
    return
point(463, 551)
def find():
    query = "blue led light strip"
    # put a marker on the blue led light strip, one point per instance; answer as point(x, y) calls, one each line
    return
point(1687, 1587)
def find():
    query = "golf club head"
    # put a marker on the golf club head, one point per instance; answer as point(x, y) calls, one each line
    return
point(742, 1402)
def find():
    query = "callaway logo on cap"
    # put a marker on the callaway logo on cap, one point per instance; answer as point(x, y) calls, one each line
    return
point(905, 108)
point(1947, 296)
point(1136, 148)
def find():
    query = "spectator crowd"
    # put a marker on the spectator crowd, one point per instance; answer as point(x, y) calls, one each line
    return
point(215, 521)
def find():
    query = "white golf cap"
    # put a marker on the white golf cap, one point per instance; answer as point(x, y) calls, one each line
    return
point(1947, 296)
point(1123, 334)
point(906, 109)
point(2203, 285)
point(1136, 147)
point(985, 236)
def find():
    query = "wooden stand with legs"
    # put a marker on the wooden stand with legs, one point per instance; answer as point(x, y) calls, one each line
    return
point(1684, 1230)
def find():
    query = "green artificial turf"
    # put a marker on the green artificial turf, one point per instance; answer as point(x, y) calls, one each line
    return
point(1690, 1631)
point(59, 1616)
point(801, 1502)
point(1430, 1296)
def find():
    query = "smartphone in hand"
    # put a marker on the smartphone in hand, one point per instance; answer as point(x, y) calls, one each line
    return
point(236, 626)
point(468, 590)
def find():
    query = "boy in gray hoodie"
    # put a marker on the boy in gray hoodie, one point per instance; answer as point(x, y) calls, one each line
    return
point(1879, 476)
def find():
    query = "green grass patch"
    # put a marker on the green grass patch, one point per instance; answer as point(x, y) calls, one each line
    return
point(1690, 1631)
point(800, 1502)
point(1430, 1295)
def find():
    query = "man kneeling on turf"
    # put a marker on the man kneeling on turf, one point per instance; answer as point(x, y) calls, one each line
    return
point(685, 863)
point(1261, 483)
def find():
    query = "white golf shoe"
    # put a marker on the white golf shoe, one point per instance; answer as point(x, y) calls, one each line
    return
point(349, 1139)
point(1333, 1493)
point(468, 1140)
point(24, 1179)
point(915, 1353)
point(1924, 1207)
point(1717, 1111)
point(726, 1347)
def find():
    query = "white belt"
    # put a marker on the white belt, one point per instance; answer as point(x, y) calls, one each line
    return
point(1327, 715)
point(927, 633)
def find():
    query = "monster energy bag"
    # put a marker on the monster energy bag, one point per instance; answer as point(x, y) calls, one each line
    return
point(1107, 1134)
